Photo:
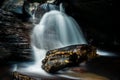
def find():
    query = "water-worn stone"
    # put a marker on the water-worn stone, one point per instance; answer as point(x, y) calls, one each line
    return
point(67, 56)
point(19, 76)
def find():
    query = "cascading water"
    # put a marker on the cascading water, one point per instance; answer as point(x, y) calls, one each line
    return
point(56, 29)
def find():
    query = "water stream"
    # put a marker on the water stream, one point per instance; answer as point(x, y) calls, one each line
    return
point(56, 29)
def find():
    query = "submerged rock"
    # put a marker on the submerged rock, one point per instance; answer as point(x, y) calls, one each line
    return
point(68, 56)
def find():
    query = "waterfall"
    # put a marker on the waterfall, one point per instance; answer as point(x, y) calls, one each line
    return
point(55, 29)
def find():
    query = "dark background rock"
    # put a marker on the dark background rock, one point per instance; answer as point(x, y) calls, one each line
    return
point(95, 18)
point(1, 2)
point(20, 8)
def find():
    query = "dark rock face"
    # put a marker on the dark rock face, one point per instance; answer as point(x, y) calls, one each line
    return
point(68, 56)
point(13, 5)
point(14, 37)
point(1, 3)
point(23, 9)
point(95, 19)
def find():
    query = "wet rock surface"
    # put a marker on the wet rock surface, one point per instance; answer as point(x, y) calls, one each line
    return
point(68, 56)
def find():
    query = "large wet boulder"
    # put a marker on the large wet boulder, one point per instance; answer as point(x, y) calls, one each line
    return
point(73, 55)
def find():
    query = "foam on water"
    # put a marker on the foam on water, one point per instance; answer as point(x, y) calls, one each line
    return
point(56, 29)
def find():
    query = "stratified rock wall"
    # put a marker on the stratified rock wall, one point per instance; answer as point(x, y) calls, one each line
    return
point(14, 37)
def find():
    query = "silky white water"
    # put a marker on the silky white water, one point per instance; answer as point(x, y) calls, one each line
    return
point(55, 30)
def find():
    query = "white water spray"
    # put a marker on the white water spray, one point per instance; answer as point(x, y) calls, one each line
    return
point(55, 30)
